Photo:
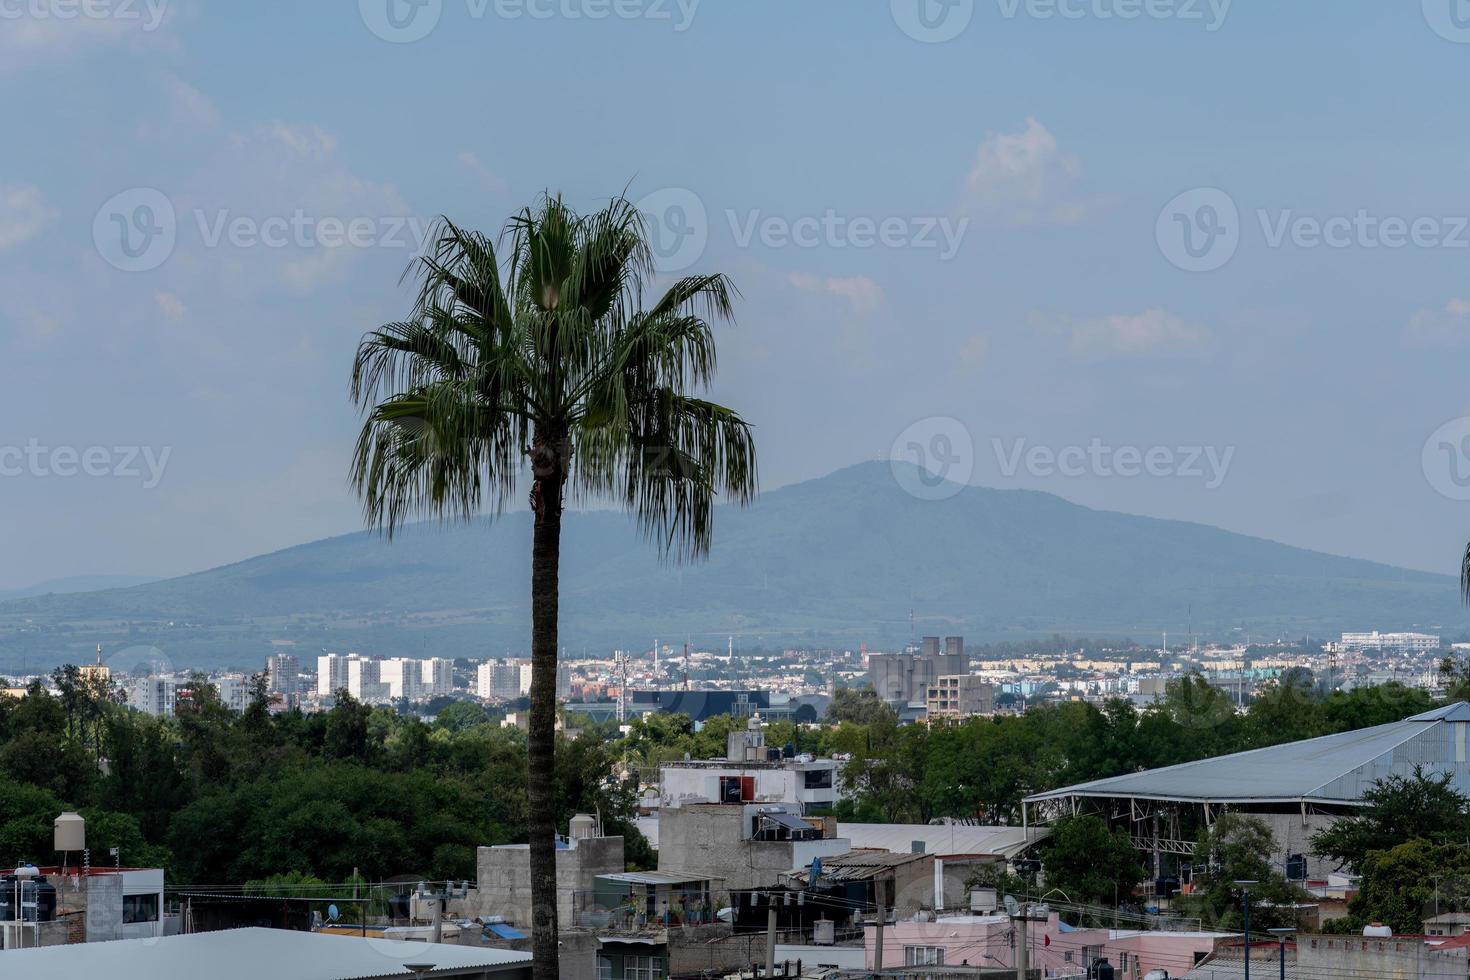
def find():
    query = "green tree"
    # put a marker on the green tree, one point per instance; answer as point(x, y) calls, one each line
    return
point(1091, 862)
point(1396, 809)
point(548, 361)
point(1240, 848)
point(859, 705)
point(1408, 882)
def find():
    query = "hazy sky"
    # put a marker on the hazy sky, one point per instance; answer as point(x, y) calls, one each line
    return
point(1190, 259)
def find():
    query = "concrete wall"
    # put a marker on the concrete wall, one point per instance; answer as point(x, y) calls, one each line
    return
point(1366, 958)
point(1294, 836)
point(104, 908)
point(504, 886)
point(710, 840)
point(982, 940)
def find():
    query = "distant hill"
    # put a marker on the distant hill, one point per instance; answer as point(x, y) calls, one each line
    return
point(76, 583)
point(838, 560)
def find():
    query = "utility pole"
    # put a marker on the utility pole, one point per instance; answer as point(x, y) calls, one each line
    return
point(1023, 954)
point(770, 934)
point(878, 896)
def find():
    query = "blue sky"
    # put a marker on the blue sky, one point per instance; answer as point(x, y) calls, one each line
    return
point(1060, 146)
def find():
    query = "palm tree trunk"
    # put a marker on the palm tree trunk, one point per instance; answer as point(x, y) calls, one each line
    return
point(545, 567)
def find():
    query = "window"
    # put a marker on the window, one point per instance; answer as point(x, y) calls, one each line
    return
point(737, 789)
point(140, 908)
point(923, 956)
point(604, 968)
point(818, 778)
point(643, 967)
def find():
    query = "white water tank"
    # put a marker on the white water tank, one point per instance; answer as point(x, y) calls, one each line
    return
point(1378, 931)
point(70, 832)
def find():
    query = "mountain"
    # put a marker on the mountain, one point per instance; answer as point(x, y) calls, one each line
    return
point(76, 583)
point(838, 560)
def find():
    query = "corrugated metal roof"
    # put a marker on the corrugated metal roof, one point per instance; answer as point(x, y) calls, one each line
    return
point(655, 878)
point(941, 839)
point(1331, 769)
point(249, 954)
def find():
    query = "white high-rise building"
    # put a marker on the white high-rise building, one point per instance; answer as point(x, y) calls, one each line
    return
point(364, 680)
point(403, 677)
point(499, 679)
point(234, 691)
point(283, 673)
point(331, 674)
point(156, 696)
point(1390, 641)
point(437, 676)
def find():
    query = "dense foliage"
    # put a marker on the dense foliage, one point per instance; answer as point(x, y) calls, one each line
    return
point(221, 798)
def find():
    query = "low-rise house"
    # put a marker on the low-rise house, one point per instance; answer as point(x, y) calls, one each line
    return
point(747, 845)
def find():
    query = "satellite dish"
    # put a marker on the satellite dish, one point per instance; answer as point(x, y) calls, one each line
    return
point(333, 913)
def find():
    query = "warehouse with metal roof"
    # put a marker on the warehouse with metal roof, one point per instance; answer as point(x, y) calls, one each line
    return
point(1297, 787)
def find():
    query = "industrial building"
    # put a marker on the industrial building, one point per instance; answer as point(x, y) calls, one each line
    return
point(905, 678)
point(1298, 788)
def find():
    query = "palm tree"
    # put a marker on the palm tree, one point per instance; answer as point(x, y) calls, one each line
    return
point(545, 360)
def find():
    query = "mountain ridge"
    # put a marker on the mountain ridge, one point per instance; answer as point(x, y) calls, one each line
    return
point(838, 560)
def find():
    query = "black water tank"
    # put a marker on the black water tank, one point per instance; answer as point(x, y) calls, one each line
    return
point(1101, 970)
point(45, 900)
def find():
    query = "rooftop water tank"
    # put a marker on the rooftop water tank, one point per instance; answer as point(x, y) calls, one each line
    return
point(583, 825)
point(71, 832)
point(1378, 931)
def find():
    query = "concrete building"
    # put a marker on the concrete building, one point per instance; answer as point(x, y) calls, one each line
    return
point(905, 678)
point(1054, 950)
point(331, 674)
point(1389, 641)
point(283, 677)
point(365, 681)
point(498, 680)
point(403, 678)
point(748, 845)
point(234, 691)
point(504, 874)
point(436, 677)
point(960, 696)
point(752, 772)
point(156, 696)
point(93, 906)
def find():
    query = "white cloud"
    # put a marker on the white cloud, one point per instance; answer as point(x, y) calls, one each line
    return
point(171, 305)
point(44, 32)
point(23, 213)
point(191, 105)
point(292, 177)
point(862, 294)
point(1152, 332)
point(488, 179)
point(1449, 327)
point(1024, 178)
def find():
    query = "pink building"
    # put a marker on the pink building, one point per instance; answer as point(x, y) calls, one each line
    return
point(1056, 950)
